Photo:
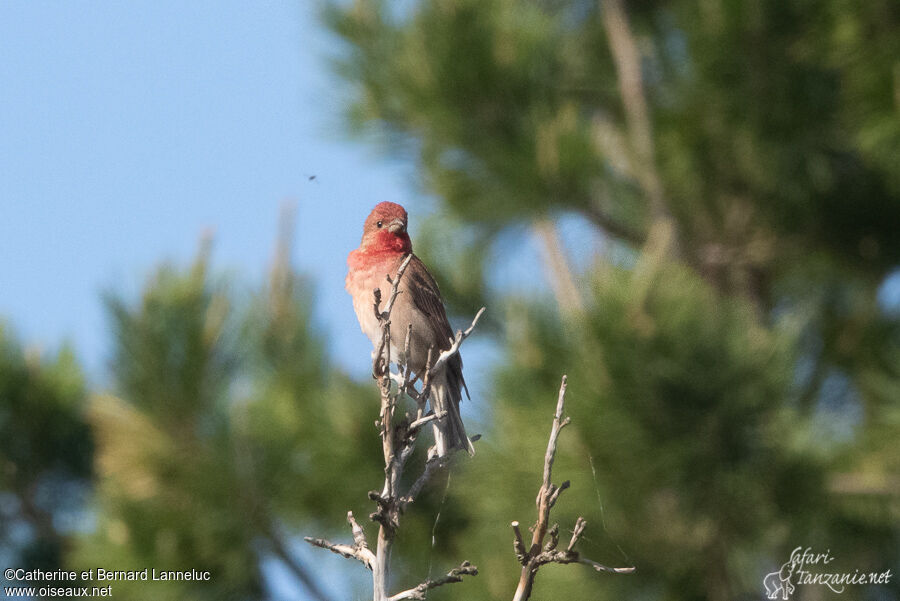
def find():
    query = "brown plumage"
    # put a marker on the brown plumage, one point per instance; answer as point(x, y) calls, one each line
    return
point(385, 244)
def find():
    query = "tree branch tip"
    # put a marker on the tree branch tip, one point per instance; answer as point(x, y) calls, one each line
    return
point(577, 531)
point(475, 320)
point(455, 575)
point(599, 567)
point(554, 492)
point(519, 544)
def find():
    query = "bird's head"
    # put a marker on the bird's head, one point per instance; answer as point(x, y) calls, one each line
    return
point(385, 228)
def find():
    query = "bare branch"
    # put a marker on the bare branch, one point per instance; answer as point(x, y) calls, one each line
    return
point(395, 289)
point(535, 557)
point(404, 385)
point(381, 360)
point(566, 557)
point(519, 544)
point(426, 381)
point(454, 575)
point(558, 425)
point(555, 492)
point(349, 551)
point(379, 365)
point(580, 523)
point(424, 420)
point(430, 467)
point(554, 538)
point(457, 341)
point(602, 568)
point(359, 535)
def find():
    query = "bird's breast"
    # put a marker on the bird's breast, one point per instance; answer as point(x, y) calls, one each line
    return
point(363, 277)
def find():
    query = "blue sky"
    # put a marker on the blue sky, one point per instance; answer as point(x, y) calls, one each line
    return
point(129, 129)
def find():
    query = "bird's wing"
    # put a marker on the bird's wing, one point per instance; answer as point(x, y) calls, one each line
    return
point(426, 296)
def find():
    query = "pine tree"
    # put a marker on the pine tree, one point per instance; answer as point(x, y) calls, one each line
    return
point(733, 368)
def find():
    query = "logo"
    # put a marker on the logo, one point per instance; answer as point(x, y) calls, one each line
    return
point(808, 568)
point(779, 583)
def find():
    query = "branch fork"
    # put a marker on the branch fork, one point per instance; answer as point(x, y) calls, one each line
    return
point(539, 553)
point(359, 550)
point(454, 575)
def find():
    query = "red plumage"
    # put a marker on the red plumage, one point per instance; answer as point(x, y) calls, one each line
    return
point(385, 244)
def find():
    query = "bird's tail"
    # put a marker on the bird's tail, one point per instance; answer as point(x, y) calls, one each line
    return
point(449, 431)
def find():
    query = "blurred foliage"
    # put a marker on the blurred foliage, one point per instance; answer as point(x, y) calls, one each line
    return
point(227, 430)
point(734, 375)
point(46, 452)
point(777, 127)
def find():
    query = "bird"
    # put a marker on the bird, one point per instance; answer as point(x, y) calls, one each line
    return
point(385, 245)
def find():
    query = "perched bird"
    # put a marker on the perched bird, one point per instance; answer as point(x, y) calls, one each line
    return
point(385, 244)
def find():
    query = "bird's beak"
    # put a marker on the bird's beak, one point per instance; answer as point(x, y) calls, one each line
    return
point(396, 225)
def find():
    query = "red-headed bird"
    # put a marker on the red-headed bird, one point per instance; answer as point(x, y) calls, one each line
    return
point(385, 244)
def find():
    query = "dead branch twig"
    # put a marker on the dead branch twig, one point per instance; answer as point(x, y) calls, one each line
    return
point(536, 556)
point(454, 575)
point(457, 341)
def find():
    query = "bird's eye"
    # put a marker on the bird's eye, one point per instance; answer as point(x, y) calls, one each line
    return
point(380, 223)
